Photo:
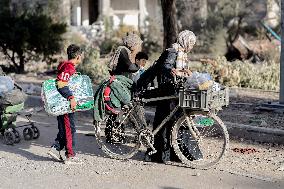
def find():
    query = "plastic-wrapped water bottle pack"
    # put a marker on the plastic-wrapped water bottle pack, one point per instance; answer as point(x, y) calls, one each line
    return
point(55, 104)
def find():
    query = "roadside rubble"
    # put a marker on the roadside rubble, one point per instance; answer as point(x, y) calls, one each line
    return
point(255, 50)
point(245, 150)
point(281, 168)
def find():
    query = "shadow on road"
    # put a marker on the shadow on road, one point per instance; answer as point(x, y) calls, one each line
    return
point(33, 149)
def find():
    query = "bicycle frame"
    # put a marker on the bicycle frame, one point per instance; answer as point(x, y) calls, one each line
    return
point(169, 116)
point(193, 130)
point(165, 120)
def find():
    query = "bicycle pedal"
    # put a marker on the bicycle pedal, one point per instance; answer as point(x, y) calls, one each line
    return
point(152, 152)
point(147, 137)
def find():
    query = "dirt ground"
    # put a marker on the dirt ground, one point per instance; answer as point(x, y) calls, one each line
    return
point(26, 165)
point(245, 108)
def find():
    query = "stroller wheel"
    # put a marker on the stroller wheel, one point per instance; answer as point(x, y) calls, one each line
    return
point(17, 135)
point(36, 132)
point(9, 137)
point(28, 133)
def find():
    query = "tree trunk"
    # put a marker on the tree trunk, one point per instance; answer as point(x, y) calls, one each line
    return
point(13, 60)
point(21, 68)
point(169, 22)
point(20, 65)
point(281, 97)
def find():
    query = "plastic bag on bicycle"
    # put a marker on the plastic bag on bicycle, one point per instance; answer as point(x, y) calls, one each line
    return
point(201, 81)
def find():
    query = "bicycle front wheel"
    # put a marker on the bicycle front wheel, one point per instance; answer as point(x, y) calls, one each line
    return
point(118, 140)
point(200, 141)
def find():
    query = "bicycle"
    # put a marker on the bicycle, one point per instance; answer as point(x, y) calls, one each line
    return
point(120, 137)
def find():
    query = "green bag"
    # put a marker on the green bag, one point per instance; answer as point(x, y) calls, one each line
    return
point(55, 104)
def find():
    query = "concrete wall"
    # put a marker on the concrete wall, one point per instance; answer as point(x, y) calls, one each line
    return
point(85, 12)
point(75, 13)
point(124, 4)
point(154, 10)
point(80, 12)
point(131, 12)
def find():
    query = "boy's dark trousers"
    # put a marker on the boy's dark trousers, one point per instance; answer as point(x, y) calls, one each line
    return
point(66, 134)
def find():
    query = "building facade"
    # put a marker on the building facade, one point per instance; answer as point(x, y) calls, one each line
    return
point(86, 12)
point(136, 12)
point(120, 12)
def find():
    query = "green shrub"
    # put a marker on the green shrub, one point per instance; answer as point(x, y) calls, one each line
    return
point(93, 66)
point(74, 37)
point(152, 37)
point(123, 29)
point(264, 76)
point(108, 45)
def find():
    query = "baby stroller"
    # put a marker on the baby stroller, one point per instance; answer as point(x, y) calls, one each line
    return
point(11, 105)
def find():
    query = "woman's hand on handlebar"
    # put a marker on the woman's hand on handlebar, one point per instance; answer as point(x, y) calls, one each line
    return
point(188, 72)
point(174, 72)
point(183, 72)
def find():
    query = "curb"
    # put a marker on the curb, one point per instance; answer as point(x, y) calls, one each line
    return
point(254, 133)
point(33, 101)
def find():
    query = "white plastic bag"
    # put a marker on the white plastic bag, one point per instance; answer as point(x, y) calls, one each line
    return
point(216, 86)
point(197, 79)
point(6, 85)
point(201, 81)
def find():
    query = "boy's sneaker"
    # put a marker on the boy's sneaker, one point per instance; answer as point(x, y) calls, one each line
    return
point(73, 161)
point(55, 154)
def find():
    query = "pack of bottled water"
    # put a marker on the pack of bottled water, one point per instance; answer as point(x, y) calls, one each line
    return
point(55, 104)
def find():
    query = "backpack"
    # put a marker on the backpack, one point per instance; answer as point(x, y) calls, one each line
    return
point(114, 58)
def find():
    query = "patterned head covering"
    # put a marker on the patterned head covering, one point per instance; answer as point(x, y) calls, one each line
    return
point(186, 40)
point(131, 40)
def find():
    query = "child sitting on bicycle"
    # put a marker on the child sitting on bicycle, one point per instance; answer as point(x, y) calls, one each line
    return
point(141, 60)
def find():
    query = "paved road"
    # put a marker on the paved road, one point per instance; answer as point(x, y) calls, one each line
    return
point(26, 165)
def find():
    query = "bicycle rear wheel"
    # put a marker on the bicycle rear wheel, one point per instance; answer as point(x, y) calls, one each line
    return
point(201, 141)
point(118, 140)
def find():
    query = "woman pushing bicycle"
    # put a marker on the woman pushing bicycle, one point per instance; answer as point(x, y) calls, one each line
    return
point(189, 130)
point(172, 63)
